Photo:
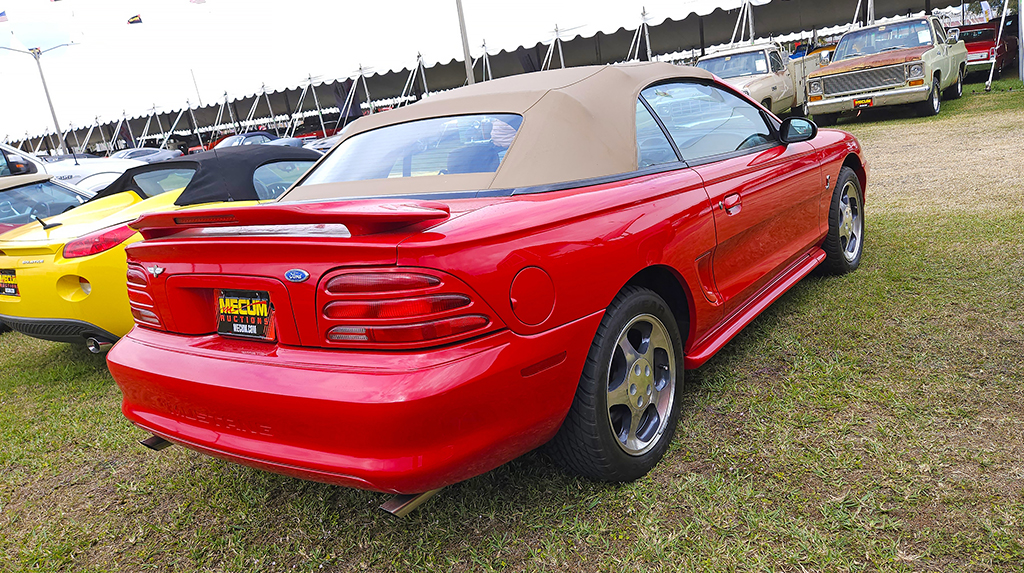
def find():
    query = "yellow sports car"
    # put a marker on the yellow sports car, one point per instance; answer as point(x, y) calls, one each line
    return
point(63, 278)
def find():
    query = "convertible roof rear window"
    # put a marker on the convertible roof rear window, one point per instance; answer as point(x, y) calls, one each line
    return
point(423, 148)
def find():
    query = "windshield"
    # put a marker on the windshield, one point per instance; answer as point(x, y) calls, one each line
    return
point(734, 66)
point(883, 39)
point(45, 199)
point(978, 35)
point(439, 146)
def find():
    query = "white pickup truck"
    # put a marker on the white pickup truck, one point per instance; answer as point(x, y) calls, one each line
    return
point(88, 173)
point(765, 73)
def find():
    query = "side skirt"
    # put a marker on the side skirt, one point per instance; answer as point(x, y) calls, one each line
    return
point(720, 336)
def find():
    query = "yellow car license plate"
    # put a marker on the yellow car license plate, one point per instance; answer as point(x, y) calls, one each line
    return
point(9, 282)
point(245, 313)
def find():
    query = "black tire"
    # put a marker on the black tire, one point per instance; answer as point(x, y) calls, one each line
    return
point(844, 243)
point(800, 110)
point(957, 89)
point(588, 443)
point(826, 119)
point(767, 104)
point(932, 105)
point(4, 328)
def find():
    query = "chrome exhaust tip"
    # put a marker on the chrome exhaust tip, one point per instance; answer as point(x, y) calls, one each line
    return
point(156, 443)
point(402, 505)
point(97, 346)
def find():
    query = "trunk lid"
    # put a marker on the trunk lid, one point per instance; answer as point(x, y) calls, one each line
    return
point(281, 250)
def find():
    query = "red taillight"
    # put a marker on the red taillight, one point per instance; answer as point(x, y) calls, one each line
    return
point(423, 332)
point(400, 309)
point(204, 220)
point(93, 243)
point(140, 299)
point(396, 308)
point(992, 53)
point(380, 282)
point(145, 317)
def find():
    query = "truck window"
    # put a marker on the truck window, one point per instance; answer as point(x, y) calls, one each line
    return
point(940, 33)
point(776, 60)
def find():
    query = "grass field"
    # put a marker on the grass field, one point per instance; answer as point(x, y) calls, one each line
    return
point(873, 422)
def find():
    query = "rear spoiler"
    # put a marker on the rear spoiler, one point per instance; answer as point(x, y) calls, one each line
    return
point(363, 217)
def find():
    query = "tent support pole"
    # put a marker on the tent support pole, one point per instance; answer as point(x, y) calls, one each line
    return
point(999, 41)
point(163, 143)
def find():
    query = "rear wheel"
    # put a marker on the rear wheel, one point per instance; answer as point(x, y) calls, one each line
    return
point(4, 327)
point(626, 407)
point(844, 242)
point(933, 104)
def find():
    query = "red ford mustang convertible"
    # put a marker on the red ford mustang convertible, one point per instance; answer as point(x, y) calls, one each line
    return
point(527, 261)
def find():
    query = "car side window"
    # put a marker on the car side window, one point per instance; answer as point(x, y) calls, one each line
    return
point(5, 169)
point(154, 183)
point(940, 34)
point(776, 59)
point(652, 147)
point(272, 179)
point(705, 121)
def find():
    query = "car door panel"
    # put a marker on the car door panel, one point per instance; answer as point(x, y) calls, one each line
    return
point(777, 191)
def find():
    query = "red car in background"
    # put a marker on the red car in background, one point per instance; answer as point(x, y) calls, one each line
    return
point(531, 260)
point(982, 50)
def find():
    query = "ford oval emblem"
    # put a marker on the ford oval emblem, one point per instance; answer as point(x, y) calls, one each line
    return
point(296, 275)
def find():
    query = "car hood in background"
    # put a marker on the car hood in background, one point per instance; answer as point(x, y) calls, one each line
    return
point(873, 61)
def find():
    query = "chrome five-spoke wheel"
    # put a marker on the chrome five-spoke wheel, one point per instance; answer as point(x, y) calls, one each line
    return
point(641, 389)
point(851, 221)
point(626, 406)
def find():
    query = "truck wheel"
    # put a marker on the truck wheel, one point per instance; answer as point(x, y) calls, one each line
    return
point(956, 90)
point(4, 327)
point(767, 103)
point(844, 242)
point(933, 104)
point(826, 119)
point(626, 408)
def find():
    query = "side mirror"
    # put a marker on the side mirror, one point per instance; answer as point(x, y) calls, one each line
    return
point(20, 166)
point(797, 129)
point(823, 58)
point(953, 35)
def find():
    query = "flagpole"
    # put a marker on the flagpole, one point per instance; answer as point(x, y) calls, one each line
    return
point(36, 53)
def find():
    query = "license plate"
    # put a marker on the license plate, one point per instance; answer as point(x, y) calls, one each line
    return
point(859, 103)
point(245, 313)
point(8, 282)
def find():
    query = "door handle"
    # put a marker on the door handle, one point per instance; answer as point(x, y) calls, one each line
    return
point(731, 204)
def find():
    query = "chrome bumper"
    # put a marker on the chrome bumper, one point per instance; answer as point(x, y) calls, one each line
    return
point(888, 97)
point(980, 64)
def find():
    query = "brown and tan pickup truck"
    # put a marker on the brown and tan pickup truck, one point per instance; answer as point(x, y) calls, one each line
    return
point(911, 61)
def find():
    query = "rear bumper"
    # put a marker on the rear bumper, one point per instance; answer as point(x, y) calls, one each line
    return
point(899, 96)
point(56, 329)
point(394, 422)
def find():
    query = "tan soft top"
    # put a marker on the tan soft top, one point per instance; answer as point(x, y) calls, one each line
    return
point(11, 181)
point(578, 123)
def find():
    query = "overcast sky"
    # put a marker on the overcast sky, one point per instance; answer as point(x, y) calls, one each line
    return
point(237, 45)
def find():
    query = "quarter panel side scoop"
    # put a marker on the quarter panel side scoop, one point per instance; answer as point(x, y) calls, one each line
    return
point(360, 217)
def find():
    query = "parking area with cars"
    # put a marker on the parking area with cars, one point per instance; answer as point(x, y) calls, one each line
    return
point(867, 421)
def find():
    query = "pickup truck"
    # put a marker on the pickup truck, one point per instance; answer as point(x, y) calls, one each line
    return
point(87, 173)
point(909, 61)
point(765, 73)
point(982, 50)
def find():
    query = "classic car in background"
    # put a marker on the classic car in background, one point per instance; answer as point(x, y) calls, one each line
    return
point(982, 50)
point(85, 173)
point(910, 61)
point(763, 72)
point(65, 277)
point(422, 306)
point(147, 154)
